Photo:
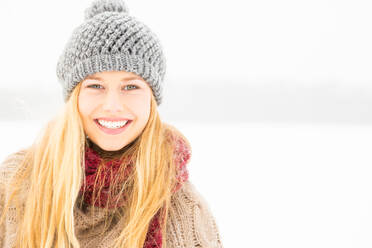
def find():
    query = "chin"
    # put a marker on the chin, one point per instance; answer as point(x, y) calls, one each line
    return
point(112, 148)
point(109, 146)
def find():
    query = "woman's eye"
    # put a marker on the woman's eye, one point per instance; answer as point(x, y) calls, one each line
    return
point(134, 86)
point(93, 86)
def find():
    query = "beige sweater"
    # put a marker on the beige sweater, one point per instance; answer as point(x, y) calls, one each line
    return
point(190, 223)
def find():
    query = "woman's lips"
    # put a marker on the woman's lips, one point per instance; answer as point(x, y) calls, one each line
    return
point(113, 131)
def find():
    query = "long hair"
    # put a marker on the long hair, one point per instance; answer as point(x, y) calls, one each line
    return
point(47, 182)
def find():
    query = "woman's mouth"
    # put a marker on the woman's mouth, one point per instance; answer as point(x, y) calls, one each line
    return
point(112, 128)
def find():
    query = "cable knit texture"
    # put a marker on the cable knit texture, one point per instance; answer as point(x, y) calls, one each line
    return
point(190, 221)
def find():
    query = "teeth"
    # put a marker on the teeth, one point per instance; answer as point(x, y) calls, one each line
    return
point(112, 124)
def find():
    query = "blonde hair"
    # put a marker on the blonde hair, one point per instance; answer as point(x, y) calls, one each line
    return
point(52, 174)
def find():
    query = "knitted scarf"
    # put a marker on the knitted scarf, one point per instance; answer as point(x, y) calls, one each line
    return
point(182, 155)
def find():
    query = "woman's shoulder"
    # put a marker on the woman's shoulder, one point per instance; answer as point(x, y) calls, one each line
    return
point(189, 194)
point(9, 165)
point(192, 214)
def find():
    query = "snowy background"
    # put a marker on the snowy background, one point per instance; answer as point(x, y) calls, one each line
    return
point(274, 96)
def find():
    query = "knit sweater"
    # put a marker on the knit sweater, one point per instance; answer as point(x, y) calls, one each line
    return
point(190, 221)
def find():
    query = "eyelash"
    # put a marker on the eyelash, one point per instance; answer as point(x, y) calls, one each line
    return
point(90, 86)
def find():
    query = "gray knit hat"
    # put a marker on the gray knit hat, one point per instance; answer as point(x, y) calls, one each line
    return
point(111, 40)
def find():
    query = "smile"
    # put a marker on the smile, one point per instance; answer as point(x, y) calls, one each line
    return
point(112, 128)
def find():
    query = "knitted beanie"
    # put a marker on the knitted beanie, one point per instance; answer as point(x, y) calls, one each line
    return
point(110, 39)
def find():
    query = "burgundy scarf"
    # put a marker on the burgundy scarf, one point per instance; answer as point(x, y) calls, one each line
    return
point(92, 160)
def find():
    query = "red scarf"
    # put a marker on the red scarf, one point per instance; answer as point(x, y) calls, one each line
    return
point(92, 160)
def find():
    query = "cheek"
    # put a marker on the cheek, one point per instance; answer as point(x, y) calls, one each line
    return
point(84, 106)
point(143, 107)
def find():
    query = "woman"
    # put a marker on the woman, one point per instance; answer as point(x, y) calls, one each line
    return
point(106, 172)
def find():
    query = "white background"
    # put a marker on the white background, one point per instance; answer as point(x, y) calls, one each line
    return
point(274, 96)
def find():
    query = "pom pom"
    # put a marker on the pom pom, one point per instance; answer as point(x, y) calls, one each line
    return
point(100, 6)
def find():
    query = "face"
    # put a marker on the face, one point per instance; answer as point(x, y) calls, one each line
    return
point(115, 108)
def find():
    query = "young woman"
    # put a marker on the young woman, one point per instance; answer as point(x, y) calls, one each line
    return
point(106, 171)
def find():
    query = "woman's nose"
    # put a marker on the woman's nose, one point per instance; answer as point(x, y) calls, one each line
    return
point(112, 102)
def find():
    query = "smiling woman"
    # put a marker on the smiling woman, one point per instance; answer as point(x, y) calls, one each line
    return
point(106, 171)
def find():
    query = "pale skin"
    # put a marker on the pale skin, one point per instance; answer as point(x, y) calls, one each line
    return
point(114, 94)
